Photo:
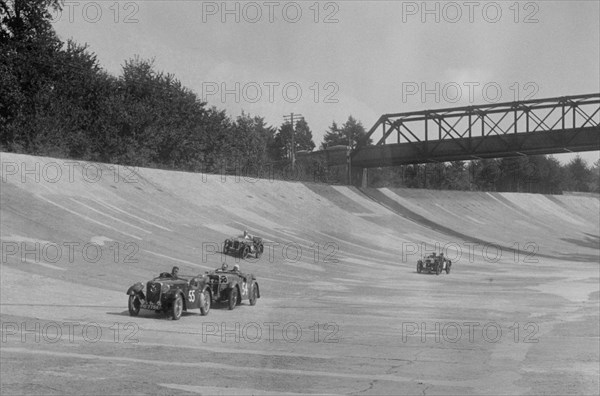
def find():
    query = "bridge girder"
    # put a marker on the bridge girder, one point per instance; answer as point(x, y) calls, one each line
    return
point(530, 127)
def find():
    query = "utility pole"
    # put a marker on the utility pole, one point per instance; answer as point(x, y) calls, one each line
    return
point(290, 119)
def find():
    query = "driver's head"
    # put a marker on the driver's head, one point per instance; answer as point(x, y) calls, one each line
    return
point(224, 267)
point(175, 271)
point(236, 267)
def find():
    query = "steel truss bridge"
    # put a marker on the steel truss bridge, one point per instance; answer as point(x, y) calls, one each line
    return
point(529, 127)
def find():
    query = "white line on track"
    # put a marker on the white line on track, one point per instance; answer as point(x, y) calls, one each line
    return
point(130, 215)
point(110, 217)
point(87, 218)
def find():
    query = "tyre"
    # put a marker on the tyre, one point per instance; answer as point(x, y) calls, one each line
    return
point(226, 245)
point(245, 252)
point(259, 250)
point(419, 267)
point(232, 297)
point(252, 296)
point(177, 308)
point(134, 305)
point(448, 267)
point(205, 303)
point(438, 269)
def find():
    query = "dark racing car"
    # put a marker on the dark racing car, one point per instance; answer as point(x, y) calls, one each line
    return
point(168, 293)
point(244, 247)
point(232, 286)
point(434, 263)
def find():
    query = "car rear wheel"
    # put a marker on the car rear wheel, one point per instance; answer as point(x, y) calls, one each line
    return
point(259, 250)
point(205, 304)
point(134, 305)
point(252, 296)
point(419, 267)
point(177, 308)
point(232, 297)
point(438, 269)
point(245, 252)
point(448, 265)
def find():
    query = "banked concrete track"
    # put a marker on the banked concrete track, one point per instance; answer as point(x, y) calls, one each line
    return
point(343, 310)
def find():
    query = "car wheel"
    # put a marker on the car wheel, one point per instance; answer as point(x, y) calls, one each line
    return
point(134, 305)
point(226, 245)
point(177, 308)
point(419, 267)
point(259, 250)
point(232, 297)
point(245, 252)
point(252, 296)
point(205, 305)
point(438, 269)
point(448, 267)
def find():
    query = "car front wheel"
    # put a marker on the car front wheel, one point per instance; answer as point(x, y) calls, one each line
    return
point(252, 296)
point(232, 297)
point(177, 308)
point(205, 304)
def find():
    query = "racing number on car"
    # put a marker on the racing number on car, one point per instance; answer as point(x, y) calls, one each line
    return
point(191, 296)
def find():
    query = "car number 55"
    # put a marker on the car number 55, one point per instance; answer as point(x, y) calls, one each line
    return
point(191, 296)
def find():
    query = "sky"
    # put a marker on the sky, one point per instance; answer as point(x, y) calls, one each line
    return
point(327, 60)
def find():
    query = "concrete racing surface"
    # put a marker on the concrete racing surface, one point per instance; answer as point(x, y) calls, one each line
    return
point(342, 308)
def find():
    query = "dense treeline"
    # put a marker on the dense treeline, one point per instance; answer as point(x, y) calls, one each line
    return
point(56, 100)
point(534, 174)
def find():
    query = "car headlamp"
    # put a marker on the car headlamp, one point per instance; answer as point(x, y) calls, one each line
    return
point(165, 287)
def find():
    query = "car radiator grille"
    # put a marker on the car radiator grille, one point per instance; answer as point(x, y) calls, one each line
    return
point(236, 245)
point(153, 292)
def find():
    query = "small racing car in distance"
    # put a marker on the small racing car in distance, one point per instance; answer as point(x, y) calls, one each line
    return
point(434, 263)
point(232, 286)
point(244, 246)
point(171, 294)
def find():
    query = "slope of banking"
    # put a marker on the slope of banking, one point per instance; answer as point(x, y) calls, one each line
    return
point(552, 226)
point(164, 217)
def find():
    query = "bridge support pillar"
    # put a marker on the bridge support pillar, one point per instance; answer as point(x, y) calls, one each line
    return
point(358, 177)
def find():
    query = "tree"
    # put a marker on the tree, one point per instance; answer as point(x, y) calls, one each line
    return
point(578, 175)
point(595, 182)
point(281, 145)
point(352, 133)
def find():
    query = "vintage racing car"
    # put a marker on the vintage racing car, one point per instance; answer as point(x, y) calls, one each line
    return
point(434, 263)
point(171, 294)
point(232, 286)
point(244, 247)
